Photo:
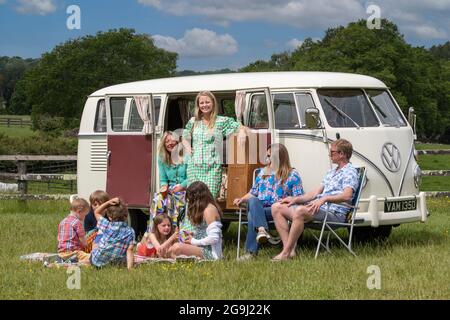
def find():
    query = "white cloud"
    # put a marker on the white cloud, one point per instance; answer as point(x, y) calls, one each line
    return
point(300, 13)
point(40, 7)
point(415, 18)
point(2, 1)
point(198, 43)
point(427, 32)
point(294, 43)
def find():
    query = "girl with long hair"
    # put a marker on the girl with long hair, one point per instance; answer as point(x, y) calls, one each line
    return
point(172, 178)
point(275, 181)
point(205, 239)
point(159, 240)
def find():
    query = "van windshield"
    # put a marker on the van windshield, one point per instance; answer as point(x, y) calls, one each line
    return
point(347, 108)
point(385, 108)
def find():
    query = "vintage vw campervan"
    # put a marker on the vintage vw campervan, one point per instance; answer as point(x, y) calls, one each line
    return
point(121, 126)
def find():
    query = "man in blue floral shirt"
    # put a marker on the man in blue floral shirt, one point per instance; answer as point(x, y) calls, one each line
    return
point(338, 186)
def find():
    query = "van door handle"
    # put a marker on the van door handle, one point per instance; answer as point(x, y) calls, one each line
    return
point(108, 156)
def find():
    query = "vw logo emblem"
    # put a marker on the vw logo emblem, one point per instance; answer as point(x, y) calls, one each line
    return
point(390, 156)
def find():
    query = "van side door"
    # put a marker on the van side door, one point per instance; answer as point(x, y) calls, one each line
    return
point(131, 148)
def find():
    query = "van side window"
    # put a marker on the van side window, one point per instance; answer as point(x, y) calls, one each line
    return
point(125, 116)
point(286, 116)
point(259, 117)
point(135, 122)
point(117, 113)
point(100, 117)
point(304, 101)
point(157, 105)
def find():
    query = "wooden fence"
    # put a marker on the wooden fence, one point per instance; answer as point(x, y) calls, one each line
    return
point(23, 177)
point(15, 122)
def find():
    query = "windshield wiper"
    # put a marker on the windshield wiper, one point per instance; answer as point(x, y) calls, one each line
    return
point(378, 108)
point(342, 113)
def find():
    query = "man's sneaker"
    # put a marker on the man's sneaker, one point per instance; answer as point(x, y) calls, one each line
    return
point(245, 257)
point(262, 236)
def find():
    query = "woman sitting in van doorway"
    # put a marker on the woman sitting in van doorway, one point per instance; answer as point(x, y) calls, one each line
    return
point(172, 178)
point(275, 181)
point(203, 138)
point(205, 240)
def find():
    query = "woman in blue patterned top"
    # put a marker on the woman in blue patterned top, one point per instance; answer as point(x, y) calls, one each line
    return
point(274, 182)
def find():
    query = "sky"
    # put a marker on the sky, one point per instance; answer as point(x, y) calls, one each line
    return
point(211, 34)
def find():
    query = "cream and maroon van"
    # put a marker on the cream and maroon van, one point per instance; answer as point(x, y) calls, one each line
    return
point(121, 127)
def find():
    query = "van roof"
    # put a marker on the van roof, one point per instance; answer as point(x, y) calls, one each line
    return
point(248, 80)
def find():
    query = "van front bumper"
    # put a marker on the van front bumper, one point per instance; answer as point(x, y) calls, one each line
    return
point(371, 211)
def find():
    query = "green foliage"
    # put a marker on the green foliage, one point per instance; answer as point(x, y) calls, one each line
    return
point(441, 51)
point(58, 85)
point(416, 77)
point(11, 71)
point(194, 73)
point(38, 144)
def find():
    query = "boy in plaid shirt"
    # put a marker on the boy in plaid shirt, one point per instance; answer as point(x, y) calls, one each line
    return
point(71, 235)
point(117, 242)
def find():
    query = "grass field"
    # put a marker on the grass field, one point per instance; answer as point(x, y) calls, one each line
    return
point(17, 132)
point(431, 146)
point(434, 162)
point(414, 264)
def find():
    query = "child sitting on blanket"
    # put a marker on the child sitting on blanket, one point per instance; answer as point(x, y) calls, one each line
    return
point(71, 235)
point(117, 241)
point(96, 198)
point(158, 241)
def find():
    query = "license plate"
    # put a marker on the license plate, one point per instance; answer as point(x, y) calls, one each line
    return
point(400, 205)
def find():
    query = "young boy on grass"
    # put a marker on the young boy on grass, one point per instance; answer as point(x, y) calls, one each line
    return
point(71, 235)
point(117, 241)
point(96, 198)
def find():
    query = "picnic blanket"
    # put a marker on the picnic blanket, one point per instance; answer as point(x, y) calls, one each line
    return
point(138, 260)
point(52, 260)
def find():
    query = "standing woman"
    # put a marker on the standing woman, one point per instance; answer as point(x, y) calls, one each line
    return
point(203, 138)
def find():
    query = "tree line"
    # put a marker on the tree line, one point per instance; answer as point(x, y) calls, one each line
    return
point(53, 88)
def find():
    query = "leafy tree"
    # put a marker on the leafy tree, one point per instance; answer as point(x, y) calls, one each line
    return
point(11, 70)
point(441, 51)
point(415, 76)
point(58, 85)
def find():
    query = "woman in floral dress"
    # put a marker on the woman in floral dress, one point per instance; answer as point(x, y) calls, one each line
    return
point(203, 139)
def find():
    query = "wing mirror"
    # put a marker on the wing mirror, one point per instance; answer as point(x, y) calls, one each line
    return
point(312, 118)
point(412, 119)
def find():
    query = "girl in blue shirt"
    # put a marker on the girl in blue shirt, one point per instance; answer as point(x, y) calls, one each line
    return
point(274, 182)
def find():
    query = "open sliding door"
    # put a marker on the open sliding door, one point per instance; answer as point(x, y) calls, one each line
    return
point(255, 110)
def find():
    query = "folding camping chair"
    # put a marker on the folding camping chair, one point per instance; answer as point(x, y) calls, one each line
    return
point(243, 211)
point(330, 227)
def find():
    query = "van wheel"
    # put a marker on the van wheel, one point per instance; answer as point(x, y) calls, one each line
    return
point(370, 234)
point(138, 221)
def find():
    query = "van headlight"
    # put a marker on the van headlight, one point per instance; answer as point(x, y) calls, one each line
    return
point(417, 176)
